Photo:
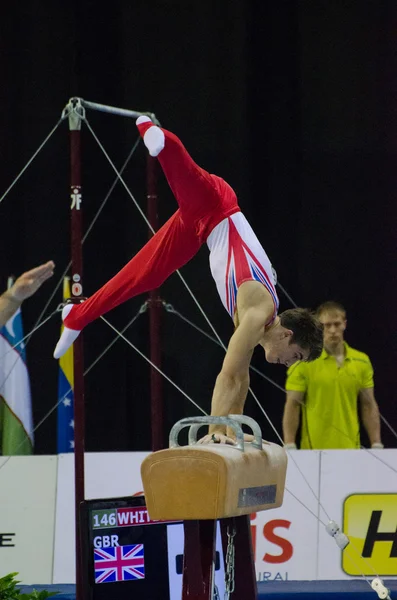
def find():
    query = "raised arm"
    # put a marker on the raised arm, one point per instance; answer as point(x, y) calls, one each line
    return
point(24, 287)
point(8, 306)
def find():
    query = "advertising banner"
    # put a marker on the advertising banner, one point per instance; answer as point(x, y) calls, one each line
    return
point(358, 489)
point(285, 538)
point(355, 488)
point(27, 517)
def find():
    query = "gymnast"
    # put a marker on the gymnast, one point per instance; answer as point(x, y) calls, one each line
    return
point(208, 212)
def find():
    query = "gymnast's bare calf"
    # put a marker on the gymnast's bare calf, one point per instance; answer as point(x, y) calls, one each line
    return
point(208, 212)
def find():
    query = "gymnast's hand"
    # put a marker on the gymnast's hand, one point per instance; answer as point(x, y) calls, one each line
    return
point(217, 438)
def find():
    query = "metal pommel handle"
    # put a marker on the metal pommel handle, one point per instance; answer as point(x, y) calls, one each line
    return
point(232, 421)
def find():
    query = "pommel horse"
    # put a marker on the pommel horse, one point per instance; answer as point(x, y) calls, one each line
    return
point(200, 484)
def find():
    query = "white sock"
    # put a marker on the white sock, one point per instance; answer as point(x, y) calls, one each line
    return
point(143, 119)
point(68, 335)
point(153, 138)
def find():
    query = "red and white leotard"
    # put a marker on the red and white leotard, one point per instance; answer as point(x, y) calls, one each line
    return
point(236, 256)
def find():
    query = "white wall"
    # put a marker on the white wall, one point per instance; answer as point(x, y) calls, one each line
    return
point(27, 510)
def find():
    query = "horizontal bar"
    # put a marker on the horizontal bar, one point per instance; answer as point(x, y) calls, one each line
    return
point(122, 112)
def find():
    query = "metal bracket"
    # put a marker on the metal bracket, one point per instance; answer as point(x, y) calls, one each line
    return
point(232, 421)
point(75, 112)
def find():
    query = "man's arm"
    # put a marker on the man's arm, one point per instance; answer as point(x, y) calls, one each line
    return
point(8, 306)
point(232, 383)
point(25, 286)
point(370, 415)
point(291, 416)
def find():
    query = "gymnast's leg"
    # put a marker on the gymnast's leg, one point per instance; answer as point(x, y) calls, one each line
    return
point(204, 200)
point(168, 250)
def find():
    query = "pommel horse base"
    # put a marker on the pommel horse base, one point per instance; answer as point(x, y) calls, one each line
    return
point(201, 484)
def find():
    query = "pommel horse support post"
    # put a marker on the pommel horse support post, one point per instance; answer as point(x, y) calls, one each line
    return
point(200, 484)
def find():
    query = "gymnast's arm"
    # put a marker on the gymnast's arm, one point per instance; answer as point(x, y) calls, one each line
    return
point(232, 383)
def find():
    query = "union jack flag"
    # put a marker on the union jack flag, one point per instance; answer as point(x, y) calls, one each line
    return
point(120, 563)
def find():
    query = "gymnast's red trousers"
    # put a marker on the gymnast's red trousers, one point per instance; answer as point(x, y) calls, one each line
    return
point(204, 201)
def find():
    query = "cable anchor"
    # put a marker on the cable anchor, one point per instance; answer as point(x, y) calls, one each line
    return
point(379, 587)
point(341, 539)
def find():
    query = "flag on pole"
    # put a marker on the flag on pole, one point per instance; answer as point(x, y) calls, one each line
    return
point(16, 422)
point(65, 440)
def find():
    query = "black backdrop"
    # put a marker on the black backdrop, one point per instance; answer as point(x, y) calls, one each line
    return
point(291, 102)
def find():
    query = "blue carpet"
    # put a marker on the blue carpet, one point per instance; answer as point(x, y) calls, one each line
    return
point(322, 590)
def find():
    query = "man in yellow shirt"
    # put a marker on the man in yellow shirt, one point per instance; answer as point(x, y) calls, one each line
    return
point(327, 390)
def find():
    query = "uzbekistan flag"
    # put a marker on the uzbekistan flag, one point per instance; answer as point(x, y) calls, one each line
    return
point(16, 423)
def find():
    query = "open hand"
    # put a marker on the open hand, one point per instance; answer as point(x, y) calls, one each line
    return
point(29, 282)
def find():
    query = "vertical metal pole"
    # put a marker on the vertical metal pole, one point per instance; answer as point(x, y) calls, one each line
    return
point(76, 111)
point(155, 311)
point(245, 587)
point(199, 560)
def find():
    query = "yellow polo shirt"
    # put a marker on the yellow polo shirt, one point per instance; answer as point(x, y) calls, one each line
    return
point(329, 416)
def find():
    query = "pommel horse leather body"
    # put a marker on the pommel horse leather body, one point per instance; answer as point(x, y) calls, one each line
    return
point(214, 481)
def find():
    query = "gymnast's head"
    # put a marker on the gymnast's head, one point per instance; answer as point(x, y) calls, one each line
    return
point(297, 335)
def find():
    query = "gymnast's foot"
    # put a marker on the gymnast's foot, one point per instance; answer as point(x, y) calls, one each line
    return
point(153, 136)
point(68, 335)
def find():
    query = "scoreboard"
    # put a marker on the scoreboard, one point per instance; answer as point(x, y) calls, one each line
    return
point(126, 554)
